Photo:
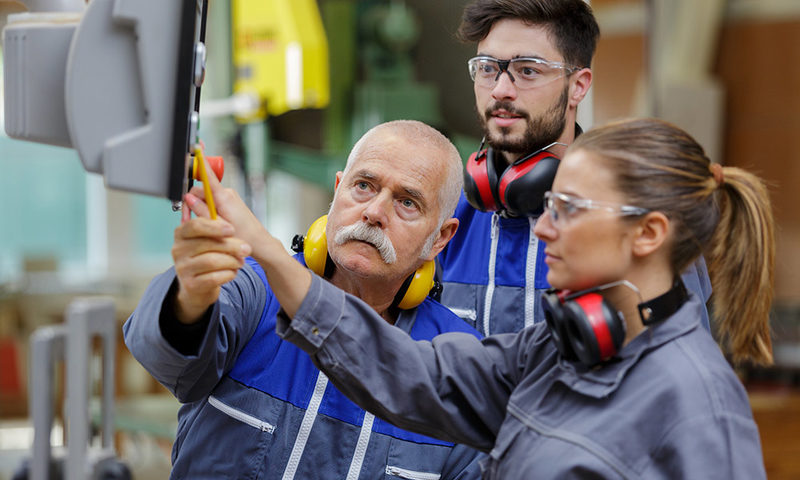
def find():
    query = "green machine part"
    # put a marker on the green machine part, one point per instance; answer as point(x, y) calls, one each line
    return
point(388, 32)
point(368, 76)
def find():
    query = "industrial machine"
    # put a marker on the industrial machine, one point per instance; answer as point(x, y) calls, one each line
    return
point(117, 80)
point(71, 344)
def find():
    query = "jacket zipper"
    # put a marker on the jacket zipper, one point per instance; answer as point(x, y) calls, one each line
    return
point(411, 474)
point(530, 274)
point(361, 447)
point(309, 417)
point(241, 416)
point(487, 304)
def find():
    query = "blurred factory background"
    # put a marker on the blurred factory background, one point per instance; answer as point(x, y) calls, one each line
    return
point(728, 71)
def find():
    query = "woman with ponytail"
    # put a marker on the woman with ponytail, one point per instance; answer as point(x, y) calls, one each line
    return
point(721, 212)
point(622, 381)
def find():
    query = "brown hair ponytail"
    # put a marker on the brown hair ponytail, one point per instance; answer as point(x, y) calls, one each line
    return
point(723, 213)
point(741, 261)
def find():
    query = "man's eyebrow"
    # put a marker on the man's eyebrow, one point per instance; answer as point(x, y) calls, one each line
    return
point(539, 57)
point(365, 174)
point(414, 193)
point(417, 195)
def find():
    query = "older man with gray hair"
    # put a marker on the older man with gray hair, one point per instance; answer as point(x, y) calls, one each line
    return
point(256, 406)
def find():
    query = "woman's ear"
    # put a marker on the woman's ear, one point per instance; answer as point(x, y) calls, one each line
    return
point(651, 233)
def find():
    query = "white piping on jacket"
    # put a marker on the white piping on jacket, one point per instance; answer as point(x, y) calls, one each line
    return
point(530, 274)
point(487, 307)
point(305, 427)
point(361, 447)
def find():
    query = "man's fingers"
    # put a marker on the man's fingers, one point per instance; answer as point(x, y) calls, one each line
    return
point(200, 272)
point(190, 248)
point(204, 227)
point(207, 281)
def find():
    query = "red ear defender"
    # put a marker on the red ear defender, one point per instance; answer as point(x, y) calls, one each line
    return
point(479, 182)
point(519, 190)
point(596, 330)
point(587, 328)
point(584, 326)
point(522, 186)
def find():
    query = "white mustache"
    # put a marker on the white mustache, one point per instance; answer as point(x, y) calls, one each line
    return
point(370, 234)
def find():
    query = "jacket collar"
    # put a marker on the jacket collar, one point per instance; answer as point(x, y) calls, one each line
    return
point(604, 379)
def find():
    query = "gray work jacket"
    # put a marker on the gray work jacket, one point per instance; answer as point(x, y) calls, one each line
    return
point(668, 406)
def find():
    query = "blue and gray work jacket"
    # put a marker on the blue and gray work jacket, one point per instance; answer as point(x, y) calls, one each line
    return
point(256, 407)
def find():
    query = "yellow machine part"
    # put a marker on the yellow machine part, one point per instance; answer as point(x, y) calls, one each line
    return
point(280, 54)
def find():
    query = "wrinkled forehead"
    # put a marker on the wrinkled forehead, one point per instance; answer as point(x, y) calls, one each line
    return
point(398, 151)
point(404, 164)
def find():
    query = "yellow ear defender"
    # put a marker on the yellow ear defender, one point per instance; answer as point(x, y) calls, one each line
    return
point(315, 250)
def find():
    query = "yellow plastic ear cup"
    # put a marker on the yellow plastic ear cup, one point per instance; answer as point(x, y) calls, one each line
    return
point(414, 290)
point(419, 287)
point(315, 246)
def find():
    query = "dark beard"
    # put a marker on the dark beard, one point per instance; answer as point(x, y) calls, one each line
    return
point(540, 132)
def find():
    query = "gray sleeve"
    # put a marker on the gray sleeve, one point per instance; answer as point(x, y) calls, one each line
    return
point(455, 388)
point(233, 319)
point(724, 447)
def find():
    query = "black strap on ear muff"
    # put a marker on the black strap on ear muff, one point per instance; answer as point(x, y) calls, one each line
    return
point(663, 306)
point(587, 328)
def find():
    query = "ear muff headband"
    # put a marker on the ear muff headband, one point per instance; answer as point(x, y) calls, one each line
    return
point(315, 250)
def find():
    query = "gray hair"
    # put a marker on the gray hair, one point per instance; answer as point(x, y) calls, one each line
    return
point(427, 136)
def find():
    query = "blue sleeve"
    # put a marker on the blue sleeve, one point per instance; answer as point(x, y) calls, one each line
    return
point(233, 319)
